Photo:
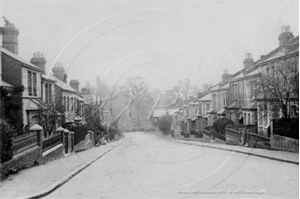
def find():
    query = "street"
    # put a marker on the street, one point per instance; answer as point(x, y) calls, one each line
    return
point(148, 166)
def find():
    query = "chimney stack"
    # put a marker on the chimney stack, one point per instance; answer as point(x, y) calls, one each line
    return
point(75, 84)
point(285, 37)
point(225, 75)
point(59, 72)
point(39, 61)
point(10, 37)
point(248, 61)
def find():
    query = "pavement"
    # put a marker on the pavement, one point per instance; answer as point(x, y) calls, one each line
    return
point(41, 180)
point(282, 156)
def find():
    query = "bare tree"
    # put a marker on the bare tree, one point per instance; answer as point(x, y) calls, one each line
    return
point(138, 98)
point(278, 87)
point(185, 90)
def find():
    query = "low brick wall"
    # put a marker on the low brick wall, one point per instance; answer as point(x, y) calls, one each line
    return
point(22, 160)
point(54, 154)
point(206, 135)
point(232, 136)
point(258, 141)
point(219, 141)
point(284, 143)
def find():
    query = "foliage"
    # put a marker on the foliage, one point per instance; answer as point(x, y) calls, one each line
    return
point(278, 87)
point(79, 133)
point(183, 90)
point(6, 145)
point(196, 134)
point(139, 100)
point(286, 127)
point(164, 123)
point(48, 118)
point(12, 107)
point(220, 124)
point(92, 117)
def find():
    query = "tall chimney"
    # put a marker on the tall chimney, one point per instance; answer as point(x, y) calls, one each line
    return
point(248, 61)
point(10, 37)
point(225, 75)
point(39, 61)
point(285, 37)
point(59, 71)
point(75, 84)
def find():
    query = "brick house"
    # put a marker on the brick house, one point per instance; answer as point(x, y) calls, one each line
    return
point(18, 72)
point(68, 96)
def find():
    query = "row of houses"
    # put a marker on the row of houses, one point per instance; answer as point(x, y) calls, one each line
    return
point(238, 97)
point(47, 101)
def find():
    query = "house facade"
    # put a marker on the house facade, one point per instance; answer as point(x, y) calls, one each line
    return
point(245, 102)
point(237, 96)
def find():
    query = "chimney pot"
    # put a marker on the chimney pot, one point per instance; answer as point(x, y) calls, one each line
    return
point(248, 61)
point(285, 37)
point(39, 61)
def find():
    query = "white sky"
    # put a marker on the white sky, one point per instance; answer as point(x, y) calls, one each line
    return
point(163, 41)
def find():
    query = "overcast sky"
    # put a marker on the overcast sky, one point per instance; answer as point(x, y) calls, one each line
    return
point(163, 41)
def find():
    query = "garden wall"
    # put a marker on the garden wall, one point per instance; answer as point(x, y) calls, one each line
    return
point(284, 143)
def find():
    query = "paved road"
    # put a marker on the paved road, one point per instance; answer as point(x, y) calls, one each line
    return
point(147, 166)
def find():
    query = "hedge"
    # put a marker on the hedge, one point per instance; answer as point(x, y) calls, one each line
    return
point(6, 145)
point(79, 133)
point(286, 127)
point(219, 125)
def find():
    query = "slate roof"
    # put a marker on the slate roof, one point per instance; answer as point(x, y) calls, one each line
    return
point(61, 83)
point(18, 58)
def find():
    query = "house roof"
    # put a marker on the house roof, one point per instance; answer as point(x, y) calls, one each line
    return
point(205, 97)
point(212, 110)
point(234, 105)
point(61, 83)
point(5, 84)
point(48, 79)
point(18, 58)
point(221, 112)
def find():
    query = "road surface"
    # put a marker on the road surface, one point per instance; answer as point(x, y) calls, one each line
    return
point(148, 166)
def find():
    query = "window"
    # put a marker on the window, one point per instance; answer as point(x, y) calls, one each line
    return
point(273, 71)
point(207, 107)
point(200, 108)
point(235, 91)
point(224, 98)
point(68, 104)
point(32, 83)
point(214, 100)
point(29, 83)
point(48, 93)
point(249, 119)
point(268, 72)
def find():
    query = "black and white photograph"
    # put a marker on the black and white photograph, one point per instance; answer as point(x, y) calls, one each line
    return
point(149, 99)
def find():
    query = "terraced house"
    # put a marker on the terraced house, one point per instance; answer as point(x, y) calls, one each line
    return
point(247, 98)
point(240, 96)
point(36, 105)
